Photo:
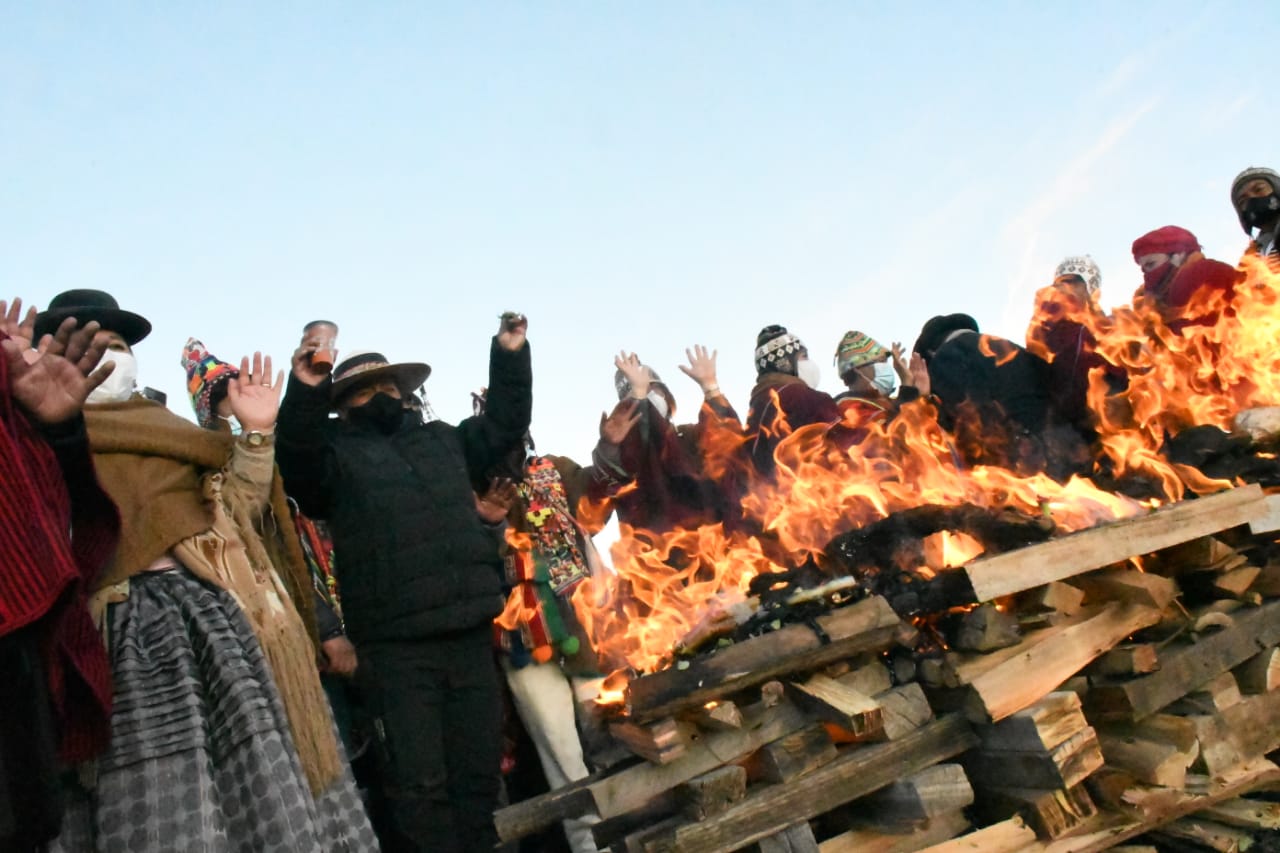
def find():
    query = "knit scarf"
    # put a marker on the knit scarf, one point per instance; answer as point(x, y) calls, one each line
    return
point(166, 476)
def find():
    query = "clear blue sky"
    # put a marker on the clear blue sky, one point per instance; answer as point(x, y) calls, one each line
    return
point(631, 175)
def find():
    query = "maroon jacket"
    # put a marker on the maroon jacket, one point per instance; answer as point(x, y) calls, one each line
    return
point(1173, 297)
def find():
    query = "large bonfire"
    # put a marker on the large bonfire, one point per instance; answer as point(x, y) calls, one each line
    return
point(661, 586)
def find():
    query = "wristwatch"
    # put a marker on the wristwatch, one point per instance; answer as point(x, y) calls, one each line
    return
point(258, 438)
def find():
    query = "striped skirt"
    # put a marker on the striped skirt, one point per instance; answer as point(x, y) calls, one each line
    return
point(201, 757)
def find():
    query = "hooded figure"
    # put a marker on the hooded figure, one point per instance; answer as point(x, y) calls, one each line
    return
point(1255, 195)
point(1177, 278)
point(205, 606)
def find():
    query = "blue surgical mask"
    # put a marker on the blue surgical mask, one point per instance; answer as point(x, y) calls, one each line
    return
point(885, 377)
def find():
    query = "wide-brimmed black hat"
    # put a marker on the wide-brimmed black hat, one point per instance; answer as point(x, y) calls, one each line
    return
point(88, 305)
point(360, 367)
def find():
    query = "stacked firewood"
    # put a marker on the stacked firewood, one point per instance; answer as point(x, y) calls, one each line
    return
point(1118, 683)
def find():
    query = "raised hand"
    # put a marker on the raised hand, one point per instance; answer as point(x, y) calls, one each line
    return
point(919, 377)
point(512, 333)
point(900, 365)
point(637, 374)
point(497, 500)
point(702, 368)
point(303, 368)
point(254, 398)
point(617, 424)
point(12, 323)
point(53, 387)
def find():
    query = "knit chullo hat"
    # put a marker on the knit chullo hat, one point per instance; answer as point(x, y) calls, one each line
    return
point(1083, 266)
point(775, 344)
point(207, 379)
point(858, 350)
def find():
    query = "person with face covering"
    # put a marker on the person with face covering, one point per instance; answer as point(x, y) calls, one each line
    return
point(1255, 194)
point(1063, 333)
point(57, 531)
point(869, 372)
point(421, 579)
point(673, 484)
point(220, 736)
point(1178, 281)
point(786, 397)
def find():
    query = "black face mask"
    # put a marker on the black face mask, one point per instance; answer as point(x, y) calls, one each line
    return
point(383, 412)
point(1261, 211)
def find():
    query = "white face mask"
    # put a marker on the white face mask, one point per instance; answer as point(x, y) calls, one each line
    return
point(660, 403)
point(808, 372)
point(885, 377)
point(234, 423)
point(120, 384)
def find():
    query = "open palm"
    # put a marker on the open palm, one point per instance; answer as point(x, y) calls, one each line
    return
point(254, 398)
point(53, 387)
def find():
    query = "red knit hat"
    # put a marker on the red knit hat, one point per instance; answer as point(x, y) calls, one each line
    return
point(1168, 240)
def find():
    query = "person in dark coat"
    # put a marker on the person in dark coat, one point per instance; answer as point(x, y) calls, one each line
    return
point(994, 397)
point(420, 576)
point(1179, 281)
point(1255, 194)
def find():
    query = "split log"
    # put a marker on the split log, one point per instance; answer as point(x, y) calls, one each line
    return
point(868, 678)
point(1269, 521)
point(1260, 673)
point(855, 773)
point(1246, 730)
point(1267, 584)
point(1095, 548)
point(868, 625)
point(902, 711)
point(1231, 584)
point(1185, 668)
point(1127, 585)
point(1218, 695)
point(933, 792)
point(794, 755)
point(1043, 665)
point(1255, 815)
point(1065, 766)
point(934, 831)
point(1055, 597)
point(1148, 761)
point(986, 628)
point(661, 742)
point(1206, 552)
point(712, 793)
point(718, 716)
point(834, 702)
point(1052, 814)
point(1134, 659)
point(1039, 728)
point(1205, 834)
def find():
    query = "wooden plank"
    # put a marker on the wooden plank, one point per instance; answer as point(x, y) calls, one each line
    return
point(633, 787)
point(1111, 828)
point(1269, 520)
point(1014, 571)
point(1205, 834)
point(1041, 727)
point(661, 742)
point(1249, 814)
point(537, 813)
point(868, 625)
point(933, 792)
point(1065, 766)
point(796, 754)
point(932, 832)
point(1219, 694)
point(1007, 836)
point(1024, 679)
point(855, 773)
point(1052, 597)
point(1127, 585)
point(1260, 673)
point(797, 838)
point(835, 702)
point(1148, 761)
point(1185, 668)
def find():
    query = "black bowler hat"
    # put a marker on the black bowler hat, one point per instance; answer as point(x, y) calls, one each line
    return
point(88, 305)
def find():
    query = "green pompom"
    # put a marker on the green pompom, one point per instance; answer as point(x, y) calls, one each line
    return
point(570, 646)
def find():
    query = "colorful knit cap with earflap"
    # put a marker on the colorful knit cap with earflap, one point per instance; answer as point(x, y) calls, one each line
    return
point(857, 350)
point(205, 377)
point(1083, 266)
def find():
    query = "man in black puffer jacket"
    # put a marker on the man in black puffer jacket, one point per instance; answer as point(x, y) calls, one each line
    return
point(420, 577)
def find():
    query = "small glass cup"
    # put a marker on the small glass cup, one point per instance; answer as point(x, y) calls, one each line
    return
point(324, 335)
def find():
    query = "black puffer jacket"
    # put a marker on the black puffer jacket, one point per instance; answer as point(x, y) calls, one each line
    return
point(415, 560)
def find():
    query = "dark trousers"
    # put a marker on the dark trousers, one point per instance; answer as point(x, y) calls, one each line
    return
point(437, 712)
